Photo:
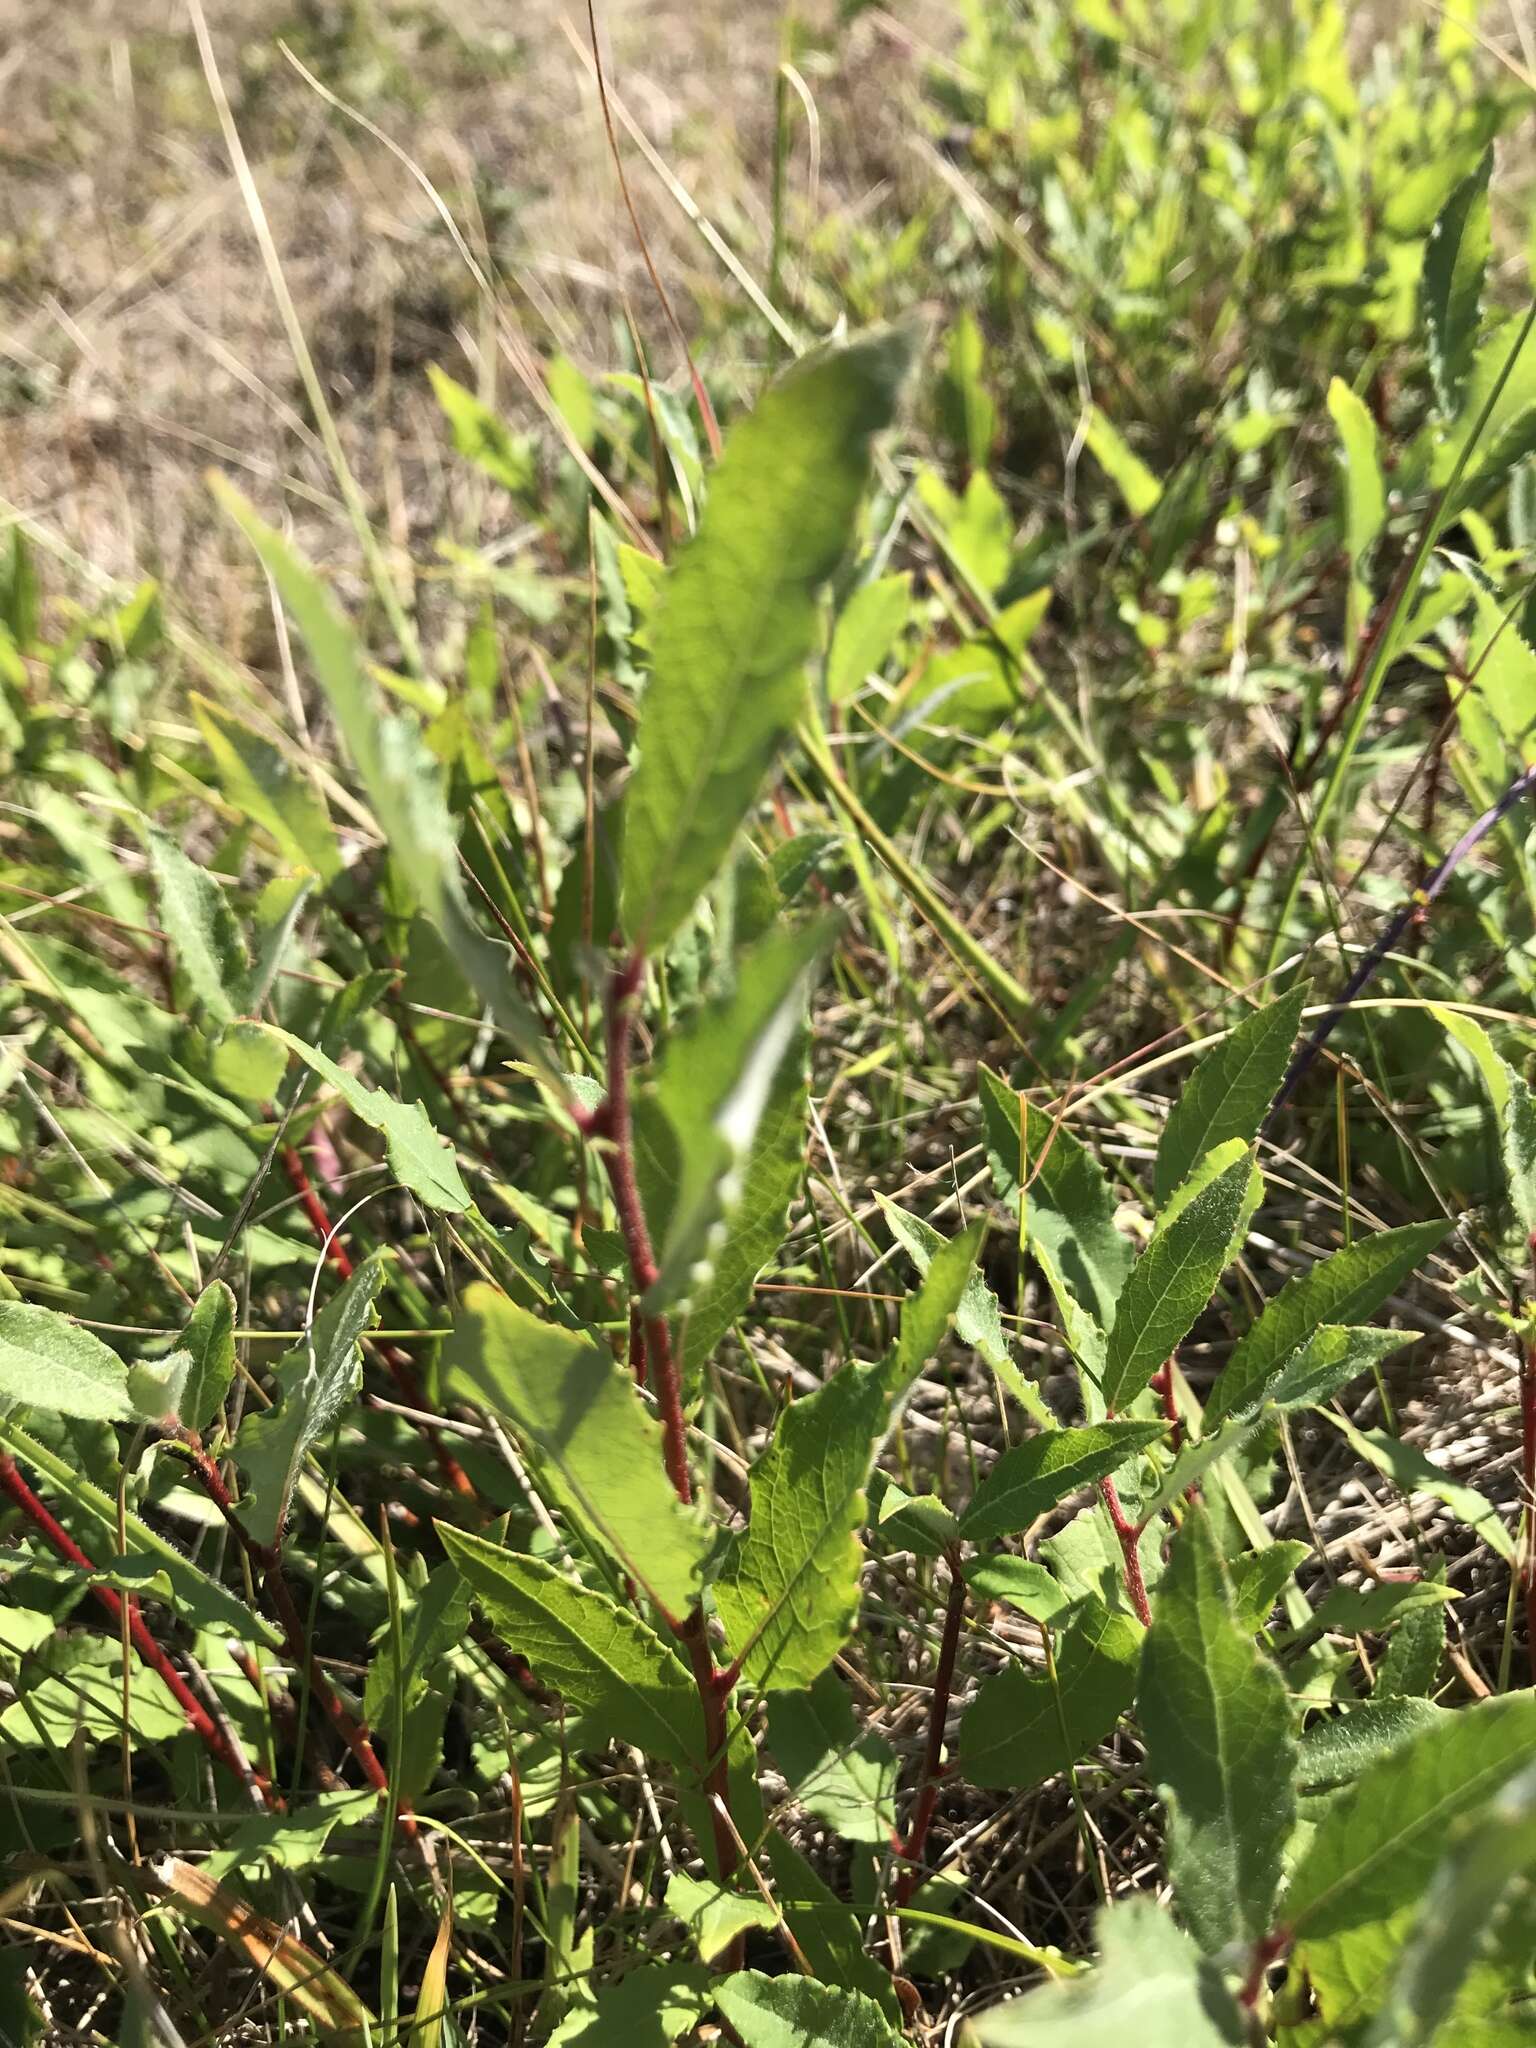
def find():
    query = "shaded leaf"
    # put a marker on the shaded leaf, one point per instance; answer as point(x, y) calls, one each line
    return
point(1455, 260)
point(1409, 1468)
point(845, 1779)
point(209, 1339)
point(715, 1914)
point(827, 1931)
point(1513, 1108)
point(737, 617)
point(1326, 1363)
point(1025, 1726)
point(266, 787)
point(601, 1658)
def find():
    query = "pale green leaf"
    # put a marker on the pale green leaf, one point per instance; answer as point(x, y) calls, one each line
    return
point(1408, 1467)
point(1326, 1363)
point(402, 779)
point(1365, 490)
point(1171, 1283)
point(90, 1697)
point(419, 1157)
point(651, 2007)
point(246, 1062)
point(918, 1522)
point(1229, 1092)
point(1035, 1475)
point(699, 1113)
point(1513, 1107)
point(1025, 1726)
point(201, 929)
point(1152, 1986)
point(51, 1364)
point(1069, 1206)
point(483, 439)
point(1122, 465)
point(793, 2011)
point(268, 788)
point(210, 1339)
point(1353, 1897)
point(737, 618)
point(600, 1657)
point(602, 1446)
point(1216, 1719)
point(1345, 1288)
point(868, 627)
point(269, 1842)
point(1455, 261)
point(316, 1385)
point(976, 1314)
point(715, 1914)
point(754, 1230)
point(845, 1779)
point(975, 528)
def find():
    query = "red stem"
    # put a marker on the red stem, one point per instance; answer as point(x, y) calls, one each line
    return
point(199, 1720)
point(267, 1564)
point(1130, 1537)
point(910, 1848)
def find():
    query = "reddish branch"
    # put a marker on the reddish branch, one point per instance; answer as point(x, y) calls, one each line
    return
point(199, 1720)
point(910, 1846)
point(266, 1564)
point(655, 1365)
point(1130, 1551)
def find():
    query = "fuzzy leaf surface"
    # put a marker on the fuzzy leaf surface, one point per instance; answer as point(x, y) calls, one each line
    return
point(789, 2012)
point(601, 1658)
point(51, 1364)
point(1345, 1288)
point(317, 1381)
point(737, 617)
point(1171, 1283)
point(1034, 1475)
point(1217, 1722)
point(1230, 1090)
point(209, 1339)
point(201, 928)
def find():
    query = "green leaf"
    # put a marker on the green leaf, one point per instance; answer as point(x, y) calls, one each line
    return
point(791, 2012)
point(1228, 1094)
point(789, 1591)
point(845, 1779)
point(570, 1399)
point(737, 618)
point(433, 1625)
point(1171, 1283)
point(1513, 1108)
point(1069, 1209)
point(1152, 1986)
point(755, 1227)
point(201, 929)
point(1489, 1853)
point(244, 1061)
point(1410, 1469)
point(1326, 1363)
point(51, 1364)
point(1345, 1288)
point(402, 779)
point(267, 788)
point(716, 1914)
point(1033, 1476)
point(1455, 261)
point(1353, 1896)
point(825, 1928)
point(652, 2007)
point(1122, 465)
point(1217, 1723)
point(600, 1657)
point(316, 1383)
point(210, 1339)
point(482, 438)
point(978, 1316)
point(269, 1842)
point(1335, 1751)
point(867, 629)
point(420, 1158)
point(1021, 1583)
point(1258, 1579)
point(1498, 713)
point(1025, 1726)
point(1365, 490)
point(912, 1521)
point(1411, 1664)
point(696, 1120)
